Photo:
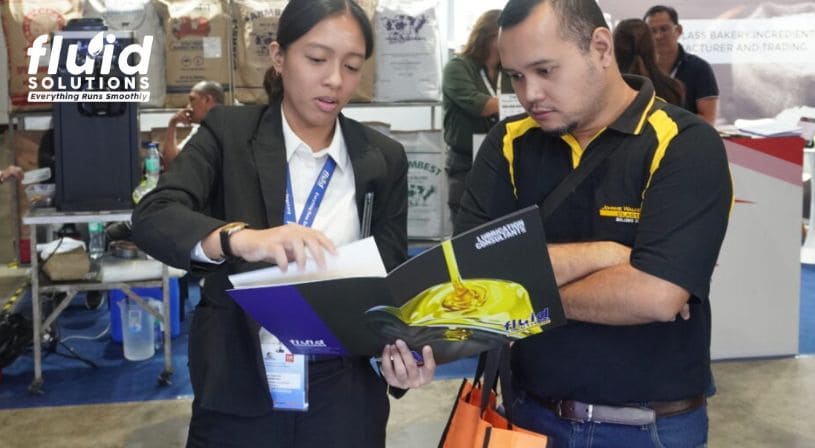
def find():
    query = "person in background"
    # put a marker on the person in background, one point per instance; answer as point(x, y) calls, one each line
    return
point(471, 85)
point(635, 54)
point(219, 209)
point(632, 247)
point(11, 171)
point(701, 89)
point(203, 97)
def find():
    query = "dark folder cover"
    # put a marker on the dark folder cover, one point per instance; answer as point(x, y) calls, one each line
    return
point(483, 287)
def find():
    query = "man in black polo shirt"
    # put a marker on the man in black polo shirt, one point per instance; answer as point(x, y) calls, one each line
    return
point(633, 246)
point(701, 90)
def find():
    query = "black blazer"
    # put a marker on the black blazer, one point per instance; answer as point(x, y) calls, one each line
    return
point(234, 169)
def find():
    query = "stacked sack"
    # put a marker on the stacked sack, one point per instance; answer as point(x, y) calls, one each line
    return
point(408, 50)
point(254, 27)
point(23, 21)
point(140, 17)
point(197, 49)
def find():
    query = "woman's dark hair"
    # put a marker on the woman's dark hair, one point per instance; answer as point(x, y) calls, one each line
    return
point(482, 35)
point(635, 53)
point(299, 17)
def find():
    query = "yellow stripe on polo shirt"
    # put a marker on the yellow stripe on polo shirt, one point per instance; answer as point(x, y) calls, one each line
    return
point(665, 129)
point(515, 129)
point(647, 109)
point(577, 150)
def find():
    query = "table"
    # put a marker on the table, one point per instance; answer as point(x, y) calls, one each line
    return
point(755, 289)
point(40, 284)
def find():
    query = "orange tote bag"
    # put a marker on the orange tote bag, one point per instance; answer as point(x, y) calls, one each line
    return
point(474, 421)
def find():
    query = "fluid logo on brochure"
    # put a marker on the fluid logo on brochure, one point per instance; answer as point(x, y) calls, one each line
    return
point(84, 80)
point(307, 343)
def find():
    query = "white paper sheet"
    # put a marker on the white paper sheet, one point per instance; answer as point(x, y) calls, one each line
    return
point(357, 259)
point(768, 127)
point(38, 175)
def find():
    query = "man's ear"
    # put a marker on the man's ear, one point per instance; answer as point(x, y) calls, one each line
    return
point(277, 56)
point(602, 44)
point(678, 30)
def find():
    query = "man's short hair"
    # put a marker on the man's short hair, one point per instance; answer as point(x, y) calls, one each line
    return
point(577, 19)
point(211, 88)
point(662, 8)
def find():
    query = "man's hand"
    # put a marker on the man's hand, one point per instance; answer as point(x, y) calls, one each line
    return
point(181, 117)
point(11, 171)
point(400, 369)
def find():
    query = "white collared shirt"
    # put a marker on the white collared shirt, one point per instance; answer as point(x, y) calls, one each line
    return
point(337, 216)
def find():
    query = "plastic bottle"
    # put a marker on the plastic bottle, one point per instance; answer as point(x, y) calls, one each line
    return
point(158, 324)
point(152, 167)
point(96, 239)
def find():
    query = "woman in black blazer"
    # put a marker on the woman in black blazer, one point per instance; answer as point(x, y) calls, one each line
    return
point(223, 199)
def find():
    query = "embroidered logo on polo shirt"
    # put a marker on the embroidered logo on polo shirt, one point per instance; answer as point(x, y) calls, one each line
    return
point(621, 213)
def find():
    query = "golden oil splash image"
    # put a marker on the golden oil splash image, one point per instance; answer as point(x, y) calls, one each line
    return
point(461, 307)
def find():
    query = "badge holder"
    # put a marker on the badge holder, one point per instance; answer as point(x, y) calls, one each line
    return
point(286, 374)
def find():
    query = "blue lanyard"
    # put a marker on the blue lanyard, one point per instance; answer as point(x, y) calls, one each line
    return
point(315, 198)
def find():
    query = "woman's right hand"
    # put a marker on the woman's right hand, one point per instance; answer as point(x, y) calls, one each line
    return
point(281, 245)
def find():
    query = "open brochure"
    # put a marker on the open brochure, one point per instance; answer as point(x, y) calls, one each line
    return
point(489, 285)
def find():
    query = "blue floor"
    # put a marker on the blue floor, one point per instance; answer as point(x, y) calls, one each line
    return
point(69, 381)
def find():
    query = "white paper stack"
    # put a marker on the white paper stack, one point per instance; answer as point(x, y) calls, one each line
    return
point(768, 127)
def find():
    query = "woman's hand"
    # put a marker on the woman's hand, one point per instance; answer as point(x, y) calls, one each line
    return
point(283, 244)
point(278, 245)
point(400, 369)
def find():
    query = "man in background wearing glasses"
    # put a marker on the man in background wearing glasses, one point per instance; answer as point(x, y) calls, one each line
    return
point(701, 90)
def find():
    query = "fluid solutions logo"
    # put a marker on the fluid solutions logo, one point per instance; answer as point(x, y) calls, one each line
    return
point(79, 79)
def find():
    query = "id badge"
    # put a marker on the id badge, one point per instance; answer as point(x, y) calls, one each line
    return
point(286, 374)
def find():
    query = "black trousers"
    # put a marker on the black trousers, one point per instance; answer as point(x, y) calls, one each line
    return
point(348, 407)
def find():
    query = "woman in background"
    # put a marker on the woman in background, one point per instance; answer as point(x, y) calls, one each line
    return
point(636, 55)
point(471, 86)
point(219, 208)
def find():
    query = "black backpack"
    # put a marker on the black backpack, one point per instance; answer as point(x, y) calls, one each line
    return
point(15, 337)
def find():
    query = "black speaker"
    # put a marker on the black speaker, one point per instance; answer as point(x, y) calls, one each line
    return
point(96, 143)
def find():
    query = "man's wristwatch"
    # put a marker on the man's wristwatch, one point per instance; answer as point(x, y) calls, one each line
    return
point(225, 233)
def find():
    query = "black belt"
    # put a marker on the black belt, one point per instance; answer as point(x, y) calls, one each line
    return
point(635, 415)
